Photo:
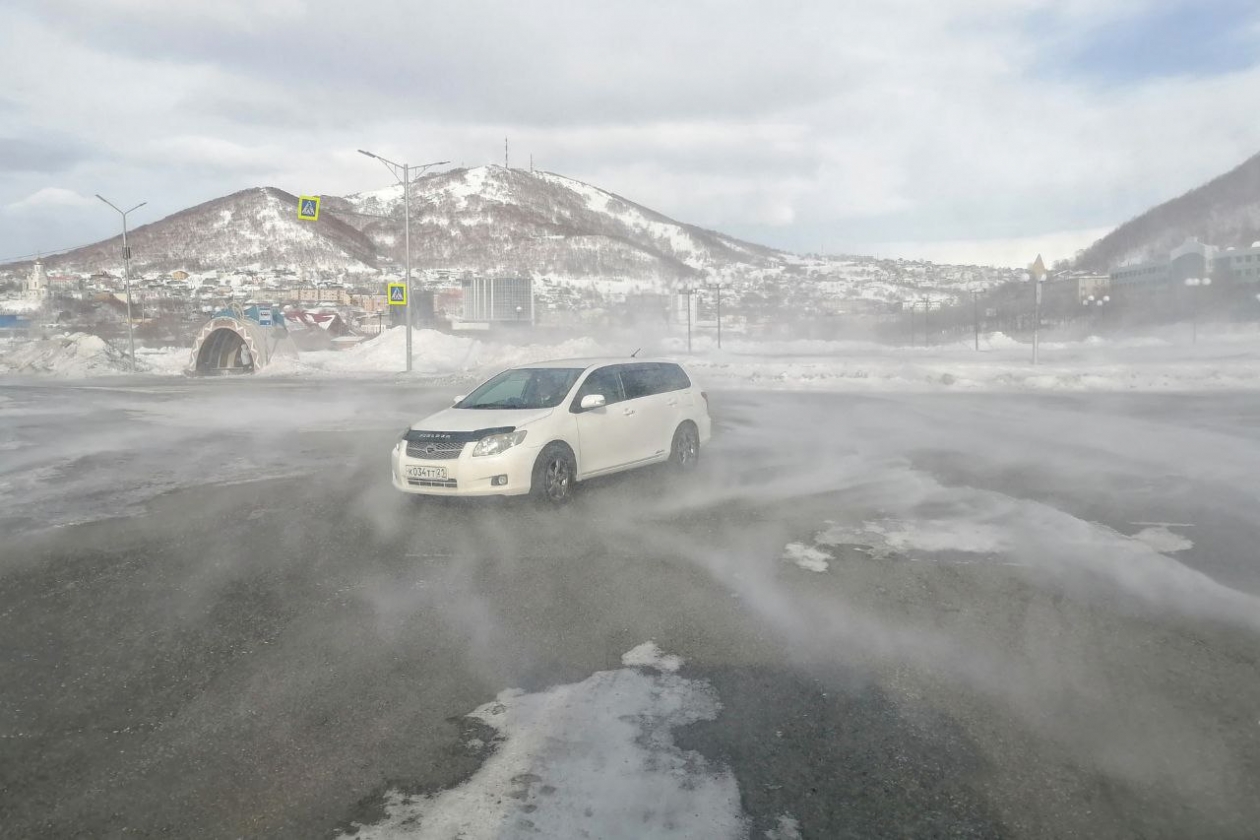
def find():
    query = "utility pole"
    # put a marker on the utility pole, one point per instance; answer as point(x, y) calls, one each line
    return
point(406, 185)
point(686, 292)
point(975, 315)
point(126, 257)
point(717, 287)
point(505, 154)
point(927, 341)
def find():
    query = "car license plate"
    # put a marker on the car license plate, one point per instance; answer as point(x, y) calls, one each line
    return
point(433, 473)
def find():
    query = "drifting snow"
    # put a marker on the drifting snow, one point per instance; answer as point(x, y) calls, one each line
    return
point(436, 352)
point(590, 759)
point(1143, 363)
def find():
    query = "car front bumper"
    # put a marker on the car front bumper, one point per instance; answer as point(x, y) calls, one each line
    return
point(465, 476)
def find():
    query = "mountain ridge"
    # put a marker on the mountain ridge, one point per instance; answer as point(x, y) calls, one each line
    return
point(1225, 211)
point(578, 242)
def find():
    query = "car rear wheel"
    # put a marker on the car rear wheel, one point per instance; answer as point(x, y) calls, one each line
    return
point(684, 455)
point(553, 477)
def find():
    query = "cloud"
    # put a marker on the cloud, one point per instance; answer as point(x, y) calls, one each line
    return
point(796, 125)
point(51, 198)
point(27, 155)
point(1016, 252)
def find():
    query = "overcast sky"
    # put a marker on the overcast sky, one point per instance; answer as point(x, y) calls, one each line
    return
point(972, 131)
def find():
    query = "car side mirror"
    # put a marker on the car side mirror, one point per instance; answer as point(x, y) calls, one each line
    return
point(458, 399)
point(593, 401)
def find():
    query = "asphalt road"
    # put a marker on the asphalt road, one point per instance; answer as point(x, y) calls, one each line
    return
point(1038, 615)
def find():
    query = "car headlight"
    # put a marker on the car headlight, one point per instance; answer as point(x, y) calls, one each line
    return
point(494, 444)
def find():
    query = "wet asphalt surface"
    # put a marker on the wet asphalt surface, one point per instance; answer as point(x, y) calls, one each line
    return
point(263, 651)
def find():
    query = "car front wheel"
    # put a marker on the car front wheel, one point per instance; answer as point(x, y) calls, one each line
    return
point(553, 477)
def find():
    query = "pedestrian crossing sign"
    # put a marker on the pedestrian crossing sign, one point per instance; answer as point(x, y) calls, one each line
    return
point(397, 294)
point(308, 208)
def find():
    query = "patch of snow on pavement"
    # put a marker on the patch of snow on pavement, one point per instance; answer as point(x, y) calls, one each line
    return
point(807, 557)
point(929, 535)
point(648, 655)
point(789, 828)
point(1163, 540)
point(589, 759)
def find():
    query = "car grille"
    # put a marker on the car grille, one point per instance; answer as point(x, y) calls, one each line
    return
point(440, 450)
point(448, 483)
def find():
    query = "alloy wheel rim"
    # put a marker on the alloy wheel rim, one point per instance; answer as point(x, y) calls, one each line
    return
point(557, 479)
point(687, 448)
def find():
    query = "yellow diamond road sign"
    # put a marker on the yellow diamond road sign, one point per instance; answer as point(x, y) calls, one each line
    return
point(308, 208)
point(397, 294)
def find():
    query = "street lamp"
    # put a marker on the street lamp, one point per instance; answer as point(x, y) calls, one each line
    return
point(126, 257)
point(1194, 283)
point(405, 180)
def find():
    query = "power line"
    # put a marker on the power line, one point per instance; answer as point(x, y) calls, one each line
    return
point(47, 252)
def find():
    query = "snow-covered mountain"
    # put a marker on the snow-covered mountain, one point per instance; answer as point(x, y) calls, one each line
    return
point(498, 220)
point(255, 228)
point(1225, 211)
point(581, 243)
point(490, 219)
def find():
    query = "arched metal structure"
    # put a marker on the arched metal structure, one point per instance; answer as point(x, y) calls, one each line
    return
point(229, 345)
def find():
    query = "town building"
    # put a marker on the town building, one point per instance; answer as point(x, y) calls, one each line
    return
point(499, 299)
point(1237, 265)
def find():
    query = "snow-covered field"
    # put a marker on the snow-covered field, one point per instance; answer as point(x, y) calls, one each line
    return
point(1166, 361)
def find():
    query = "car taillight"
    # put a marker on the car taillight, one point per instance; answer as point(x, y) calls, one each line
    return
point(705, 394)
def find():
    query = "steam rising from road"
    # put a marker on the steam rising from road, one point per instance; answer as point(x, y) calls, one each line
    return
point(1031, 565)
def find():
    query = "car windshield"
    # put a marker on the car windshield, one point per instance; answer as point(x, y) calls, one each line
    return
point(523, 388)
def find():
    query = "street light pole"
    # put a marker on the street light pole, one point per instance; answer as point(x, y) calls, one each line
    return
point(405, 180)
point(126, 256)
point(1194, 283)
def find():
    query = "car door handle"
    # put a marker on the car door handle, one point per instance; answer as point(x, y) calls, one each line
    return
point(671, 402)
point(629, 411)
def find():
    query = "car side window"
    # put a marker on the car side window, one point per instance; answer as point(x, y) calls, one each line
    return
point(642, 380)
point(675, 378)
point(604, 381)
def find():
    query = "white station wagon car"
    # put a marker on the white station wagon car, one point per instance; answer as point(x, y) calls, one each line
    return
point(541, 428)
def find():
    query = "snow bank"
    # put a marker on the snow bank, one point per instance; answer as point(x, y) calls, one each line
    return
point(76, 354)
point(81, 355)
point(589, 759)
